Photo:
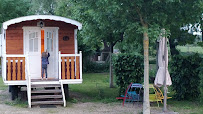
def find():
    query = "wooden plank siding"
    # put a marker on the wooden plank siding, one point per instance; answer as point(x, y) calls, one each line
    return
point(23, 69)
point(77, 68)
point(14, 36)
point(19, 69)
point(9, 69)
point(63, 68)
point(68, 67)
point(72, 68)
point(15, 68)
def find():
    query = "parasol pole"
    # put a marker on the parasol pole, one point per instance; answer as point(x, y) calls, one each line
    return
point(165, 58)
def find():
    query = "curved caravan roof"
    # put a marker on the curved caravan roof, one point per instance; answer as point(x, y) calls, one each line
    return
point(35, 17)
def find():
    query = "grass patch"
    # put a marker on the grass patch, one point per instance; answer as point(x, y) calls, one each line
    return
point(17, 103)
point(95, 88)
point(189, 48)
point(2, 86)
point(186, 107)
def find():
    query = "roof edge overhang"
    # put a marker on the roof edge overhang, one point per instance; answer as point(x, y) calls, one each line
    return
point(35, 17)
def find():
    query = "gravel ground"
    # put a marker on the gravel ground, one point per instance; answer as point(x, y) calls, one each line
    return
point(75, 108)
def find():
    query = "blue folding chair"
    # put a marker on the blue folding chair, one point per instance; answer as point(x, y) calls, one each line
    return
point(133, 93)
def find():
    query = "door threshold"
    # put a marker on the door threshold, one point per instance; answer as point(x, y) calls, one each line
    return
point(40, 80)
point(45, 82)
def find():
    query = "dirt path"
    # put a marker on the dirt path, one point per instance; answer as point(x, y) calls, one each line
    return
point(73, 108)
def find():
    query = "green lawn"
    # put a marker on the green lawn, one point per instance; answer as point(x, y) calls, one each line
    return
point(95, 88)
point(186, 107)
point(190, 48)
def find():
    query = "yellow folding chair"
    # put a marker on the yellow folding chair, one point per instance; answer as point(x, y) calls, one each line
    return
point(160, 94)
point(157, 96)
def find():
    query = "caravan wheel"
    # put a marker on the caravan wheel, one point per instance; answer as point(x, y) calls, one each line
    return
point(66, 90)
point(14, 92)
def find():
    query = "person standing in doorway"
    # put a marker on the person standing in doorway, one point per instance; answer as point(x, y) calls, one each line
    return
point(45, 61)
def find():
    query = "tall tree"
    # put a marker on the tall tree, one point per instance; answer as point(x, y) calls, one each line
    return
point(110, 21)
point(101, 23)
point(157, 14)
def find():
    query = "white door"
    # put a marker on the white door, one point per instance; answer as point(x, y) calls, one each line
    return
point(50, 46)
point(33, 48)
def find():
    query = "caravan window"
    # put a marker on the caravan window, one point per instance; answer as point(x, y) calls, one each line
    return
point(33, 42)
point(49, 41)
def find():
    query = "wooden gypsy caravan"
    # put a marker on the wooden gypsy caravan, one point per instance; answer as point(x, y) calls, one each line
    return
point(22, 42)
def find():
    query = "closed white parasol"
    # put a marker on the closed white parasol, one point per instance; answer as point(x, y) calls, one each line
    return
point(160, 76)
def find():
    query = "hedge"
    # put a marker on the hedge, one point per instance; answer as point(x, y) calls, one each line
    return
point(128, 68)
point(184, 71)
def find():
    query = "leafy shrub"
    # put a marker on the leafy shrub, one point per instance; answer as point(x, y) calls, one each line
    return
point(201, 82)
point(128, 68)
point(184, 71)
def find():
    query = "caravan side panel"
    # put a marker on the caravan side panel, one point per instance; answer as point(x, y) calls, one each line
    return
point(14, 40)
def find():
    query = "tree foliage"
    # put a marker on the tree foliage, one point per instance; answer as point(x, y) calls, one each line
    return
point(201, 82)
point(12, 9)
point(66, 9)
point(43, 7)
point(101, 21)
point(114, 21)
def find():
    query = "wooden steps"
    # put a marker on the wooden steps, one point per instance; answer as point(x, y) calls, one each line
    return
point(47, 102)
point(46, 91)
point(46, 94)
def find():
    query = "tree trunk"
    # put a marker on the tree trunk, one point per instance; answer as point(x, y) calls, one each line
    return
point(173, 49)
point(105, 51)
point(146, 104)
point(111, 67)
point(157, 50)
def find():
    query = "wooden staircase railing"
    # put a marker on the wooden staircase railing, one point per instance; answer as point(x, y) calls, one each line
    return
point(70, 66)
point(63, 94)
point(28, 82)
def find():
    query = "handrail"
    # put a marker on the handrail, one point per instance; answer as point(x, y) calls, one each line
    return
point(63, 94)
point(69, 55)
point(62, 89)
point(28, 81)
